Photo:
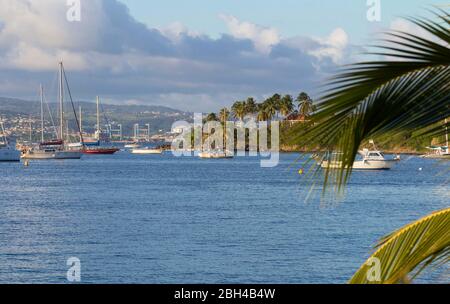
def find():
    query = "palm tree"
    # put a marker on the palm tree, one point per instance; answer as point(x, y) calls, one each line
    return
point(262, 114)
point(276, 98)
point(388, 97)
point(239, 110)
point(251, 106)
point(212, 117)
point(270, 108)
point(224, 114)
point(306, 105)
point(286, 105)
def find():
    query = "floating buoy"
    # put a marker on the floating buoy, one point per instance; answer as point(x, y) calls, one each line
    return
point(301, 171)
point(420, 169)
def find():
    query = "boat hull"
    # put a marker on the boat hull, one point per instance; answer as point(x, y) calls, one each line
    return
point(432, 156)
point(69, 154)
point(146, 151)
point(100, 151)
point(363, 165)
point(219, 155)
point(48, 155)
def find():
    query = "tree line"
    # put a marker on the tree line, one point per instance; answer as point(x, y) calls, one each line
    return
point(273, 107)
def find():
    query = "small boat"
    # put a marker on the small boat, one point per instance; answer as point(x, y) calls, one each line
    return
point(439, 152)
point(216, 155)
point(7, 153)
point(146, 151)
point(368, 160)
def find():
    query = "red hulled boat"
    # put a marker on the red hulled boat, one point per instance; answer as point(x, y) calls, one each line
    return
point(100, 150)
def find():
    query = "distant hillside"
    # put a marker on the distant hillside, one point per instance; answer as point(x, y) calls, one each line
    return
point(159, 117)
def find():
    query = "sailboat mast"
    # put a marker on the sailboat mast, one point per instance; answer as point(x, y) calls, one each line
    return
point(81, 121)
point(98, 118)
point(446, 133)
point(61, 101)
point(42, 113)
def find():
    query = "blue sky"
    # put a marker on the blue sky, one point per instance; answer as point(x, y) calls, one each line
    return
point(290, 17)
point(194, 55)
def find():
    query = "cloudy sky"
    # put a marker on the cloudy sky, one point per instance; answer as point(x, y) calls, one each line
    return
point(195, 55)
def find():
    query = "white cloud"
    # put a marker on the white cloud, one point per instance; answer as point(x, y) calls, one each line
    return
point(333, 46)
point(111, 54)
point(263, 37)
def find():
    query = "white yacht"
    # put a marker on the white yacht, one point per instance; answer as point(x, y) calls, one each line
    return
point(367, 160)
point(7, 153)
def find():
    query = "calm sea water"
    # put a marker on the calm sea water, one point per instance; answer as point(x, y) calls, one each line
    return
point(153, 219)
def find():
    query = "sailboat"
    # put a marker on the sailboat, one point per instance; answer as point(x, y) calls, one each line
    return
point(95, 148)
point(54, 149)
point(438, 152)
point(7, 153)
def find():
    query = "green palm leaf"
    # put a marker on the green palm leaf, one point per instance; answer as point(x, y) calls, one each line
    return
point(409, 93)
point(408, 251)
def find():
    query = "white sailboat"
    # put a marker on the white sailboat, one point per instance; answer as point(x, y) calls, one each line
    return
point(7, 153)
point(56, 149)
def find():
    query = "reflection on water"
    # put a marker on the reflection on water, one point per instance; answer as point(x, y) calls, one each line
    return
point(159, 219)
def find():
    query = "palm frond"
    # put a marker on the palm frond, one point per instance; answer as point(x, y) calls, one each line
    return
point(404, 254)
point(409, 91)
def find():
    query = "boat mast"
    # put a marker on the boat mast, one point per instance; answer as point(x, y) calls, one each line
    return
point(446, 133)
point(98, 118)
point(81, 121)
point(42, 113)
point(61, 102)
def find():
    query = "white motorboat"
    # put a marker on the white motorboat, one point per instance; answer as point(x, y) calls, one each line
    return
point(7, 153)
point(367, 160)
point(146, 151)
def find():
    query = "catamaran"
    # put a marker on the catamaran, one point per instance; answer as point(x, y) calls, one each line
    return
point(7, 153)
point(54, 149)
point(367, 160)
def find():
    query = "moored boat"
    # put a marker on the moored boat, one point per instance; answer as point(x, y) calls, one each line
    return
point(368, 160)
point(7, 152)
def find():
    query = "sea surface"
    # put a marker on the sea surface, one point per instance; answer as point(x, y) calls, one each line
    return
point(162, 219)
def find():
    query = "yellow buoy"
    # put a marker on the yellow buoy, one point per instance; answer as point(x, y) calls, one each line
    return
point(301, 171)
